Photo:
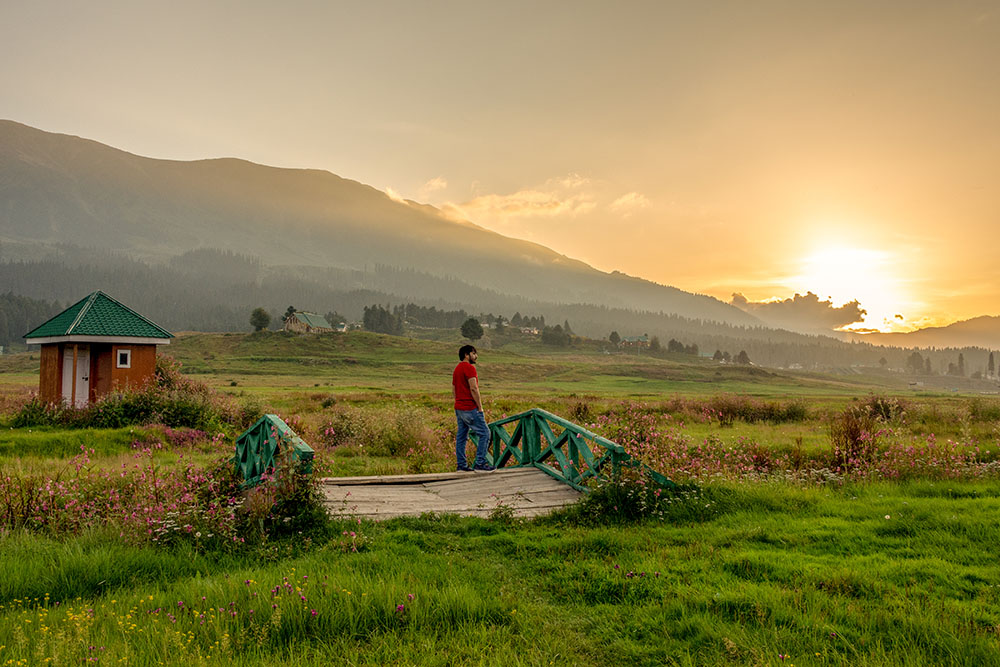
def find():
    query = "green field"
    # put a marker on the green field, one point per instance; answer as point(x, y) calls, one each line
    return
point(768, 554)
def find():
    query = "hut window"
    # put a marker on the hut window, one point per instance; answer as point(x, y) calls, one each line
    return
point(124, 359)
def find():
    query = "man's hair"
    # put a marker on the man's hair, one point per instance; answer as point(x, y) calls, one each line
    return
point(464, 350)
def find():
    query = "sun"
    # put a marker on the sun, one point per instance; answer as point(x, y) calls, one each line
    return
point(843, 274)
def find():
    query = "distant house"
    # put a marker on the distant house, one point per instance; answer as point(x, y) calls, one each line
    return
point(531, 331)
point(305, 322)
point(635, 341)
point(93, 347)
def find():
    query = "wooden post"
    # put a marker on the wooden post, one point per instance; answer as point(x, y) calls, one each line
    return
point(72, 394)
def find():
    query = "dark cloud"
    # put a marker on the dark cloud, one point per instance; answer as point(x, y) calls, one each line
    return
point(802, 313)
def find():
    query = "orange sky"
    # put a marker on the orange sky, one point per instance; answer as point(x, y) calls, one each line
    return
point(845, 148)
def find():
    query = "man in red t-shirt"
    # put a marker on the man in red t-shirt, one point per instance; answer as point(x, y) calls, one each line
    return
point(469, 411)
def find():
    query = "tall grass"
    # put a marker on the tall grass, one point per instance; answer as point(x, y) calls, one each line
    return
point(875, 574)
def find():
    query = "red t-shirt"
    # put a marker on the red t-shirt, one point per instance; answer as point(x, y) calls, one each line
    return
point(460, 379)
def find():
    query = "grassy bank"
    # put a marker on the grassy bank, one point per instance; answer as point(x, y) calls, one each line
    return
point(878, 574)
point(132, 545)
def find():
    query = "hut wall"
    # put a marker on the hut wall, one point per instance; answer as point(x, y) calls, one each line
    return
point(143, 365)
point(100, 370)
point(50, 375)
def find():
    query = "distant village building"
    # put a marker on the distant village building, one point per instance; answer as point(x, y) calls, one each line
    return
point(93, 347)
point(305, 322)
point(635, 341)
point(531, 331)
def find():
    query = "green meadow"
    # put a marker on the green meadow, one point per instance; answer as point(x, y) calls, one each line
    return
point(773, 551)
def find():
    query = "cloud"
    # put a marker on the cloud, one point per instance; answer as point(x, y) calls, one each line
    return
point(433, 185)
point(571, 181)
point(393, 195)
point(561, 198)
point(528, 203)
point(628, 203)
point(566, 196)
point(802, 313)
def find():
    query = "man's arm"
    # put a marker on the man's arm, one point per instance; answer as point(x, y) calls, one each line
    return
point(474, 389)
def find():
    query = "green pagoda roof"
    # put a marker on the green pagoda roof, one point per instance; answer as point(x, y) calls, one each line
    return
point(99, 315)
point(312, 319)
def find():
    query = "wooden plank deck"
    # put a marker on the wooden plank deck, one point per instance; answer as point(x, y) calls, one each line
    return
point(528, 491)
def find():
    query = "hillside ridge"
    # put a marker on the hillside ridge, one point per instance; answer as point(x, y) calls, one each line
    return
point(63, 189)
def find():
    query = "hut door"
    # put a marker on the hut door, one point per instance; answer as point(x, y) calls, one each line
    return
point(82, 376)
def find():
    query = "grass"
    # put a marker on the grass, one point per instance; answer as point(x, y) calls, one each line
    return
point(738, 573)
point(360, 362)
point(817, 574)
point(58, 443)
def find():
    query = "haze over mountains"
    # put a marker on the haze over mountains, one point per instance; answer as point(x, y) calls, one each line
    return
point(204, 241)
point(981, 331)
point(58, 189)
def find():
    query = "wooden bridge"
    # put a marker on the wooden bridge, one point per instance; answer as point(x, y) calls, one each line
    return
point(526, 492)
point(543, 462)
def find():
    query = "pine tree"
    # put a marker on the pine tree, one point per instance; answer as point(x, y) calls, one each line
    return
point(472, 329)
point(260, 319)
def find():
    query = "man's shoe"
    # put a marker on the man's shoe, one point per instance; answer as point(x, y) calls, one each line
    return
point(484, 467)
point(464, 468)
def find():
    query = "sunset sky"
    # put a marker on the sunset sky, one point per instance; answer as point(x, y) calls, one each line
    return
point(851, 149)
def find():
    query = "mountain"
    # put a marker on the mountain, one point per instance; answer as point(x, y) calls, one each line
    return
point(978, 332)
point(58, 189)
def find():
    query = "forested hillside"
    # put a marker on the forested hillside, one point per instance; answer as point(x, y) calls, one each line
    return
point(216, 290)
point(19, 314)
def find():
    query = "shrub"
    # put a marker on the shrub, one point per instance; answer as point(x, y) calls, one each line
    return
point(170, 399)
point(984, 411)
point(425, 456)
point(37, 412)
point(631, 495)
point(387, 431)
point(885, 409)
point(285, 502)
point(247, 413)
point(580, 412)
point(184, 437)
point(728, 408)
point(854, 435)
point(205, 507)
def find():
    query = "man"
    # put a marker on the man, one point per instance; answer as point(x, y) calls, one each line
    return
point(469, 411)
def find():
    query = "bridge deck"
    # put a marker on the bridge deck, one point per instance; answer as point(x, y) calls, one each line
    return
point(527, 491)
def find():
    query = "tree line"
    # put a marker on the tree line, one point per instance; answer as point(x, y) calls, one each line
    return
point(193, 294)
point(20, 314)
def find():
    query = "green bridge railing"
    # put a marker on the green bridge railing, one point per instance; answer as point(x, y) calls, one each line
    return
point(559, 447)
point(260, 448)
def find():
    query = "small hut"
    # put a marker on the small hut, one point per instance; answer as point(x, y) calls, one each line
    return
point(302, 321)
point(93, 347)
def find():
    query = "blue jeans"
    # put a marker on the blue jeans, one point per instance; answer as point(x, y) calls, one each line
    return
point(471, 420)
